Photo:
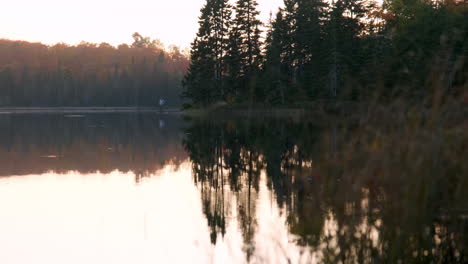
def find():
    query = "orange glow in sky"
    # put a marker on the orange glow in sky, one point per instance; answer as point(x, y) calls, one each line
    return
point(111, 21)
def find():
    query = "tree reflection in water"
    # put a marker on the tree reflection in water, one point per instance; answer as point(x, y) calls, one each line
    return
point(36, 144)
point(351, 194)
point(380, 192)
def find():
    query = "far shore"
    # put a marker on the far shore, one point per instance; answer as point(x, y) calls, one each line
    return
point(82, 110)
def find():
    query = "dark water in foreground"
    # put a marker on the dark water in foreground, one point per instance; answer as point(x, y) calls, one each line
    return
point(127, 188)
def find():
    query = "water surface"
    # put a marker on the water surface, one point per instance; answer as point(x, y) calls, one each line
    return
point(146, 188)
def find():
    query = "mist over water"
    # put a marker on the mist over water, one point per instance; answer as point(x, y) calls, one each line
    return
point(146, 188)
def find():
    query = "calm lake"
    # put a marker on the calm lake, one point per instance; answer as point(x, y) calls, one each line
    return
point(149, 188)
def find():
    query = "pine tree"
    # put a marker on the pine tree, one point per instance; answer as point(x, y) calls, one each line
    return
point(204, 82)
point(274, 74)
point(198, 81)
point(309, 45)
point(222, 12)
point(289, 36)
point(246, 30)
point(308, 33)
point(343, 31)
point(234, 64)
point(303, 46)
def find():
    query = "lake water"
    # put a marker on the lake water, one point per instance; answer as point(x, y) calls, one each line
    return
point(148, 188)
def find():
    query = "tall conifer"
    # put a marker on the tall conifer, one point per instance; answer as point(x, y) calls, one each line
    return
point(198, 81)
point(246, 38)
point(275, 65)
point(204, 82)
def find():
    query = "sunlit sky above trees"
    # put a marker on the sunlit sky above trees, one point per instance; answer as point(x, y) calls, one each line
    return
point(111, 21)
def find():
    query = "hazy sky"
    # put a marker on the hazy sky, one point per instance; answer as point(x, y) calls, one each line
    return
point(111, 21)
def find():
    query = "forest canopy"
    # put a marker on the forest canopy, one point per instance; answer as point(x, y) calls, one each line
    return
point(88, 74)
point(352, 50)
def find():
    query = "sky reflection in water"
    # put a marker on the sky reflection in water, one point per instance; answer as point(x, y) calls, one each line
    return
point(126, 189)
point(108, 218)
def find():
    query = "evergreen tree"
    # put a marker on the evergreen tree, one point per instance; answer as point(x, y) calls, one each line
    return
point(205, 77)
point(247, 30)
point(234, 64)
point(222, 12)
point(308, 36)
point(274, 76)
point(289, 39)
point(317, 49)
point(308, 32)
point(198, 81)
point(344, 29)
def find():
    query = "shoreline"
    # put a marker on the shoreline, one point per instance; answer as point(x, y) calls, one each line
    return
point(84, 110)
point(317, 110)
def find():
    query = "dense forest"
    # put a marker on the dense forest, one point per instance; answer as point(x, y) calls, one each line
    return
point(33, 74)
point(348, 50)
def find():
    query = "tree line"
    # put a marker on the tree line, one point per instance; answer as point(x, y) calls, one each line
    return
point(33, 74)
point(351, 50)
